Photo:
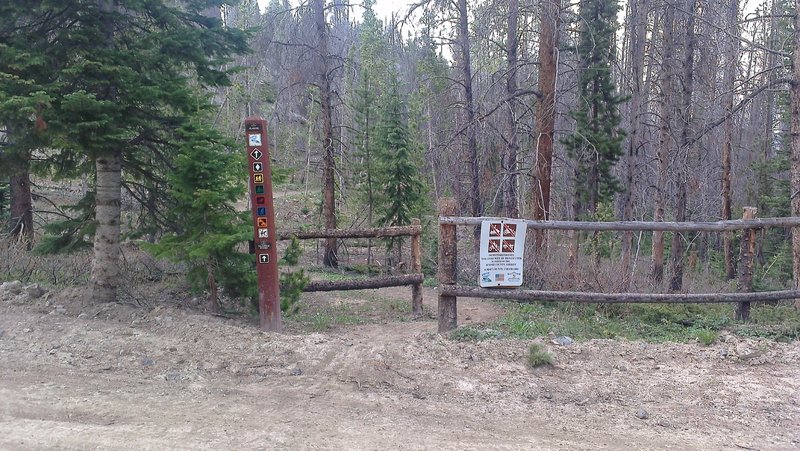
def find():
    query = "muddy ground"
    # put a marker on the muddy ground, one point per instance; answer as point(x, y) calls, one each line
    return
point(77, 376)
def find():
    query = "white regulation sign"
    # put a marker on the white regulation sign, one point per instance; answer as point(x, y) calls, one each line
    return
point(502, 247)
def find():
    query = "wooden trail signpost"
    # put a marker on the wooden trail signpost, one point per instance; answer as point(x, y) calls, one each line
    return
point(269, 306)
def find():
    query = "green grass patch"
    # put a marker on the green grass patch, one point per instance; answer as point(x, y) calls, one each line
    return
point(360, 307)
point(539, 356)
point(646, 322)
point(470, 333)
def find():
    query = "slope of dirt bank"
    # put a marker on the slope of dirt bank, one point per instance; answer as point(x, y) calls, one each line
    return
point(116, 377)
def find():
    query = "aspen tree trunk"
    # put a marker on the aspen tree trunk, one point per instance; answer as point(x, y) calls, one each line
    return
point(794, 95)
point(665, 136)
point(728, 79)
point(328, 161)
point(545, 115)
point(511, 165)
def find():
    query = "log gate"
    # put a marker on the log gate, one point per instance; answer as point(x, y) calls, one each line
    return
point(414, 279)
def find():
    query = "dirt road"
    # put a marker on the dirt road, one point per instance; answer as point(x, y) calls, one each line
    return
point(118, 377)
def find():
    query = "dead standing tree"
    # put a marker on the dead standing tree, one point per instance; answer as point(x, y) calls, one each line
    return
point(794, 96)
point(328, 158)
point(545, 114)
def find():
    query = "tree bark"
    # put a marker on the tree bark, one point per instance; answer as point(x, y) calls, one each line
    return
point(108, 196)
point(665, 137)
point(20, 223)
point(105, 265)
point(686, 116)
point(330, 257)
point(545, 115)
point(476, 202)
point(794, 95)
point(637, 29)
point(511, 164)
point(728, 79)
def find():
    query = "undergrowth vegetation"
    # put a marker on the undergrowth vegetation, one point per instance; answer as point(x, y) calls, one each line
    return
point(652, 323)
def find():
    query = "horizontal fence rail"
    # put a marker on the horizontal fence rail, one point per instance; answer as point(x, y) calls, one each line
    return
point(363, 284)
point(383, 232)
point(618, 298)
point(637, 226)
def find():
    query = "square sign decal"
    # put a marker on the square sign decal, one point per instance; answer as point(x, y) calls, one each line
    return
point(263, 233)
point(261, 211)
point(254, 140)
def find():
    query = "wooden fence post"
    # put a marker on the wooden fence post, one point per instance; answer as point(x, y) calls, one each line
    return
point(416, 268)
point(448, 256)
point(746, 252)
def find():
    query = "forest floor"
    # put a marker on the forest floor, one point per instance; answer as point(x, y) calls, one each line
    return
point(171, 376)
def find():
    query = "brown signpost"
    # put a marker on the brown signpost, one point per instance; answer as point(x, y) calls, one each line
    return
point(269, 306)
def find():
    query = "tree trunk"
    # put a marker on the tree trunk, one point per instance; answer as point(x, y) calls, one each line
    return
point(108, 196)
point(105, 265)
point(20, 223)
point(728, 80)
point(794, 95)
point(476, 203)
point(511, 164)
point(545, 115)
point(686, 115)
point(637, 30)
point(665, 137)
point(330, 257)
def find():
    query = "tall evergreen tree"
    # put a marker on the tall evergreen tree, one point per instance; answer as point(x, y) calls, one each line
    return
point(125, 85)
point(397, 175)
point(25, 97)
point(596, 144)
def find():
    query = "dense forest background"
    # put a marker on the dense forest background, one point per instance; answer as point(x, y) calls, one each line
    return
point(595, 110)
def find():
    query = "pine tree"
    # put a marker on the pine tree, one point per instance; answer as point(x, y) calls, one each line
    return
point(596, 144)
point(25, 97)
point(397, 176)
point(372, 68)
point(125, 84)
point(204, 184)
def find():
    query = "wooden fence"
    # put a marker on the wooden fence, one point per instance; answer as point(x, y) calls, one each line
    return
point(414, 279)
point(449, 290)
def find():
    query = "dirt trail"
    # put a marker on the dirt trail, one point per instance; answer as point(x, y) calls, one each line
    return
point(117, 377)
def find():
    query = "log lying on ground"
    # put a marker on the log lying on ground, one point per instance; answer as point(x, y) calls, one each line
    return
point(361, 284)
point(610, 298)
